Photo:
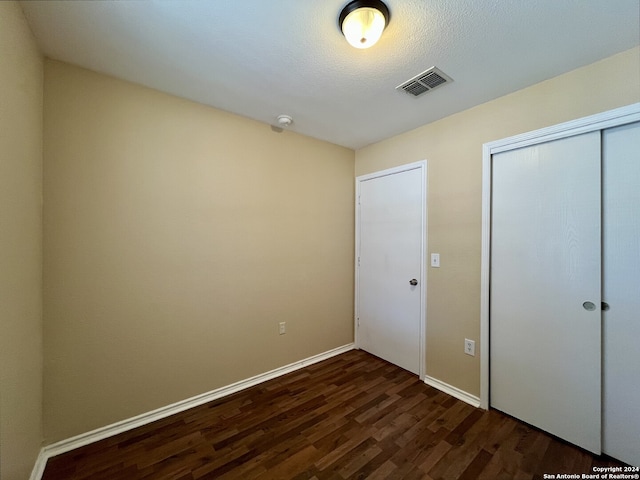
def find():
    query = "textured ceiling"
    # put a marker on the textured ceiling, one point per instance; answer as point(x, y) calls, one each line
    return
point(261, 58)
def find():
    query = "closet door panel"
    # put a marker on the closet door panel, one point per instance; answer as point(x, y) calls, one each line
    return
point(545, 264)
point(621, 290)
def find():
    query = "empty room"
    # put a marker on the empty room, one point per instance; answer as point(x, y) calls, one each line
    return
point(331, 239)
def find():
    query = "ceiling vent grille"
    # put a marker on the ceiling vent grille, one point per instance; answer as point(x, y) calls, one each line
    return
point(425, 82)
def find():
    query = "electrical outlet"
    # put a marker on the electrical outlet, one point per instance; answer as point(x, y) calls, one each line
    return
point(435, 260)
point(282, 328)
point(470, 347)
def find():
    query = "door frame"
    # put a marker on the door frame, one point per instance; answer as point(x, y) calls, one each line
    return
point(600, 121)
point(422, 166)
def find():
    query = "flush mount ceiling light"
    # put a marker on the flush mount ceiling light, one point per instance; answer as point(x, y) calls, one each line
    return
point(362, 22)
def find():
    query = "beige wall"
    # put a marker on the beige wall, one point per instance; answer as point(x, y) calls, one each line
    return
point(453, 148)
point(177, 236)
point(20, 245)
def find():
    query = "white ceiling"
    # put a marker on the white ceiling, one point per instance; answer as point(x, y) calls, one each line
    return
point(261, 58)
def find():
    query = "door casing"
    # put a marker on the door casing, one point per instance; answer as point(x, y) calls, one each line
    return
point(422, 166)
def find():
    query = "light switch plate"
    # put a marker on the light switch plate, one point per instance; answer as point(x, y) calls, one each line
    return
point(435, 260)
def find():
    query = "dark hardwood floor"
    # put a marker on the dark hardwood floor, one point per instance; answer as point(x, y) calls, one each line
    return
point(353, 416)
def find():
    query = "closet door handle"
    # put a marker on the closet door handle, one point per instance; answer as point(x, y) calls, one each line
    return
point(413, 282)
point(589, 306)
point(605, 306)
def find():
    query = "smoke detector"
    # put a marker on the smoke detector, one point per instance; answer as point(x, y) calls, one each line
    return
point(284, 120)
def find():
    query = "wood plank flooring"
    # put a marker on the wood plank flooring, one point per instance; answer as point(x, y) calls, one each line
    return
point(353, 416)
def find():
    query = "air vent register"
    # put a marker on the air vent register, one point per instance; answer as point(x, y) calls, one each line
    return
point(425, 82)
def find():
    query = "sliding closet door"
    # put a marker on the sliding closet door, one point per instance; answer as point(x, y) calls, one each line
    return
point(621, 291)
point(545, 335)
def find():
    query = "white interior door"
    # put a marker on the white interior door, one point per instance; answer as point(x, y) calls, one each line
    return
point(621, 291)
point(391, 229)
point(545, 264)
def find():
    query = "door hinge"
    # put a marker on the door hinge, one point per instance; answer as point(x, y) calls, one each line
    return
point(358, 261)
point(358, 321)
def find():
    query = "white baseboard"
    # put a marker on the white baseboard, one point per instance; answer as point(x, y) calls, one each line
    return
point(87, 438)
point(38, 468)
point(453, 391)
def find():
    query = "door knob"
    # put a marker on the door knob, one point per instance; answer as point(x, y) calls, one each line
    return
point(413, 282)
point(605, 306)
point(589, 306)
